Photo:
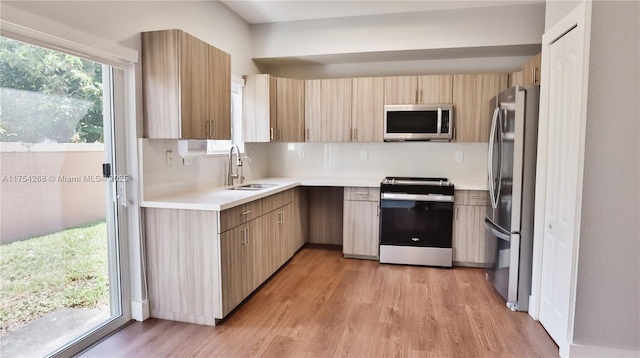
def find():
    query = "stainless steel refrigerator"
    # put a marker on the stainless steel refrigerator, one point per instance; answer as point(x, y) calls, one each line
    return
point(513, 139)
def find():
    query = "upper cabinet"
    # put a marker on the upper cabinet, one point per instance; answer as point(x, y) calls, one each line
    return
point(471, 95)
point(367, 109)
point(328, 110)
point(186, 86)
point(273, 109)
point(433, 89)
point(531, 71)
point(516, 79)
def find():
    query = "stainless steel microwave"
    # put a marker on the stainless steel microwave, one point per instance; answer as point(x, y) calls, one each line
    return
point(405, 122)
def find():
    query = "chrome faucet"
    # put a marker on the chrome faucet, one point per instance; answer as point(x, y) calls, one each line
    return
point(242, 170)
point(231, 175)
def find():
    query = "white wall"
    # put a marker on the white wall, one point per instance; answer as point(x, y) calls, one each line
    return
point(121, 22)
point(422, 159)
point(401, 68)
point(479, 27)
point(607, 311)
point(556, 10)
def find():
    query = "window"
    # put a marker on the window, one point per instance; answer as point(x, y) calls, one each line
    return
point(222, 146)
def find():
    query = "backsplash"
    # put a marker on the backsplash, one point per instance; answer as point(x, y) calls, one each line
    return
point(211, 171)
point(358, 160)
point(422, 159)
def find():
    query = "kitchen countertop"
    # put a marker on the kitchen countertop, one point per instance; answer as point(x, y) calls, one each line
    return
point(220, 198)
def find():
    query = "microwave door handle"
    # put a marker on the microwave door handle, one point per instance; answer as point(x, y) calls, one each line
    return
point(439, 125)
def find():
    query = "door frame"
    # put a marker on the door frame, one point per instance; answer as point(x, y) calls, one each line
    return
point(580, 19)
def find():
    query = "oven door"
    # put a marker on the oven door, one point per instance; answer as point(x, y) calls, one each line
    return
point(416, 220)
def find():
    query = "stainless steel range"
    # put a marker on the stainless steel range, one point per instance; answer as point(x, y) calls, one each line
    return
point(416, 221)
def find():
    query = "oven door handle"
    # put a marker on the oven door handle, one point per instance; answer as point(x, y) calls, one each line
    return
point(417, 197)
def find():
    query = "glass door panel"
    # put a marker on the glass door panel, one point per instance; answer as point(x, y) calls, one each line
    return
point(59, 254)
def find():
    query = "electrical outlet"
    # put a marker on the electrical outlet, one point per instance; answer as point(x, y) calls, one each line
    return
point(301, 153)
point(364, 155)
point(169, 156)
point(459, 156)
point(191, 161)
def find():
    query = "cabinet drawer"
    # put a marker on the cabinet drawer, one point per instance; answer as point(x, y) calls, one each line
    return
point(271, 203)
point(362, 194)
point(238, 215)
point(472, 197)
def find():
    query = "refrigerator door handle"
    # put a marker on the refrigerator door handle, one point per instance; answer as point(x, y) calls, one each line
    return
point(492, 193)
point(499, 132)
point(496, 231)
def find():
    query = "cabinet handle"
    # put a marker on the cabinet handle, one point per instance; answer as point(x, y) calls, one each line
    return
point(246, 212)
point(211, 129)
point(279, 217)
point(246, 235)
point(307, 134)
point(355, 134)
point(378, 214)
point(207, 128)
point(282, 217)
point(271, 133)
point(350, 134)
point(421, 97)
point(455, 214)
point(535, 80)
point(362, 193)
point(416, 96)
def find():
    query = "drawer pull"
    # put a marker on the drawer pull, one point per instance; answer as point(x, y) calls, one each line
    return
point(246, 212)
point(362, 193)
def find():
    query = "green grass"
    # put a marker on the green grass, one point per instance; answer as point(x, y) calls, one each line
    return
point(47, 273)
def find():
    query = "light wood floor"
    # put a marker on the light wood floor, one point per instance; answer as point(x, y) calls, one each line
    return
point(321, 304)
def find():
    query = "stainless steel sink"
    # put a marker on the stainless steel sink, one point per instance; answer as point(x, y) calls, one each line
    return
point(252, 187)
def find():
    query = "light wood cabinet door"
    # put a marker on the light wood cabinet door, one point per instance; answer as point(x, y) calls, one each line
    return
point(471, 95)
point(259, 108)
point(336, 110)
point(290, 110)
point(361, 229)
point(236, 266)
point(367, 110)
point(401, 90)
point(313, 110)
point(186, 87)
point(219, 93)
point(193, 87)
point(531, 71)
point(435, 89)
point(468, 235)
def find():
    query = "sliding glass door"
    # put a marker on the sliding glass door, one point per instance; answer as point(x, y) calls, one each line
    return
point(63, 269)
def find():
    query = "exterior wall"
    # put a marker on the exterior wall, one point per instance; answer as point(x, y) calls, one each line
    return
point(50, 202)
point(607, 311)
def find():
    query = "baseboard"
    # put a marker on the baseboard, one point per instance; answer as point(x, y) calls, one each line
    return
point(577, 350)
point(140, 310)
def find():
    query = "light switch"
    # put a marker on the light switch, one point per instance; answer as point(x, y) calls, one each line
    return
point(364, 155)
point(459, 156)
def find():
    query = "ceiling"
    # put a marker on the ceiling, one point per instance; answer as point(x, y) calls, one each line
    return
point(268, 11)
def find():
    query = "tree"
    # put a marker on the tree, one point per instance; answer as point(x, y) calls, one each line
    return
point(48, 95)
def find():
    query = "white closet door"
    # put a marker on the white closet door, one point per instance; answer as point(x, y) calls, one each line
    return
point(565, 83)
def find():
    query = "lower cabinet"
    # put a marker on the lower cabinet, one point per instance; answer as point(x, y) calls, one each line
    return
point(361, 223)
point(238, 264)
point(198, 274)
point(470, 209)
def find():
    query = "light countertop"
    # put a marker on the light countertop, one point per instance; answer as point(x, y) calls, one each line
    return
point(221, 198)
